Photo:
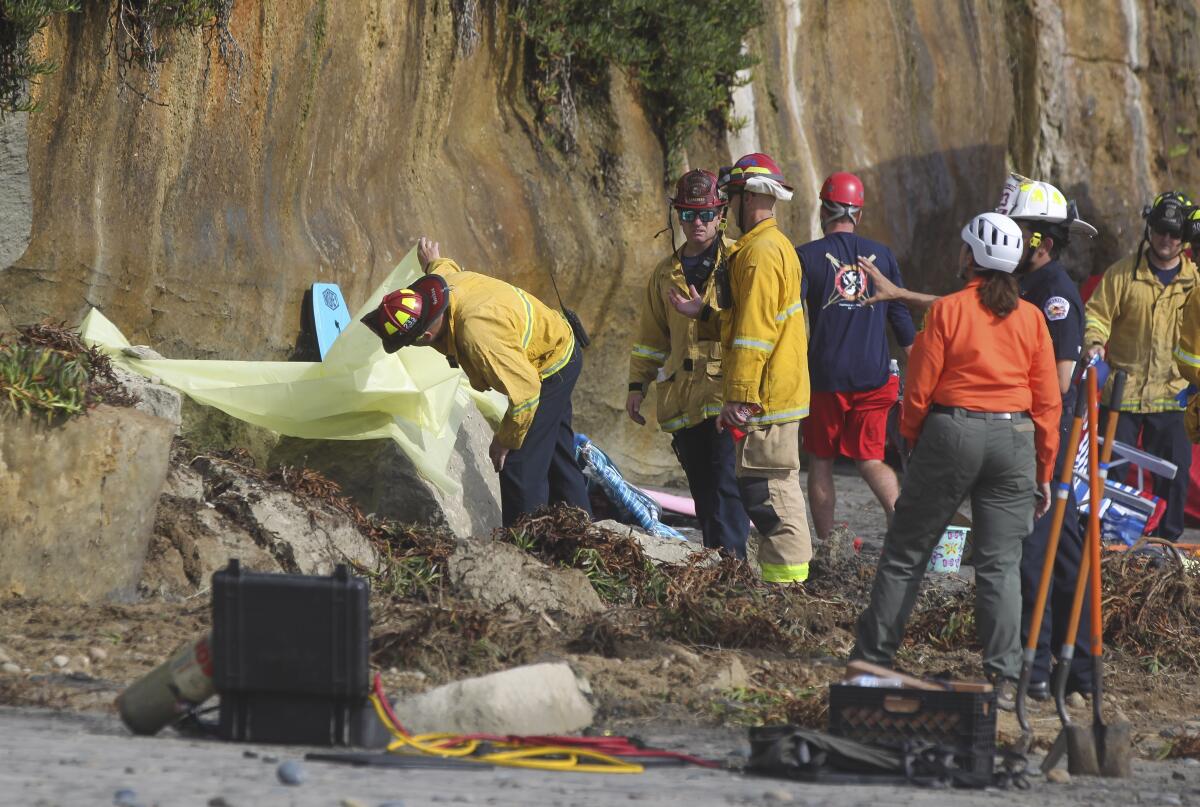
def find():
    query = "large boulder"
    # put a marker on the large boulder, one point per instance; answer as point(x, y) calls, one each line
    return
point(382, 480)
point(502, 576)
point(79, 502)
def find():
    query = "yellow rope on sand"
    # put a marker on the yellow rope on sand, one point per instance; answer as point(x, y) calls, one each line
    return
point(512, 755)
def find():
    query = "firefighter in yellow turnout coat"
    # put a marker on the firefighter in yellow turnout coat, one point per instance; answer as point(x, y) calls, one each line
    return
point(1135, 315)
point(684, 356)
point(1187, 352)
point(504, 339)
point(765, 367)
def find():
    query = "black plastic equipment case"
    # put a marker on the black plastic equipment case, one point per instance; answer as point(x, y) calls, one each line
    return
point(290, 657)
point(897, 717)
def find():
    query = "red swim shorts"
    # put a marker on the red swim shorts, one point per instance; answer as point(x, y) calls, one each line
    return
point(853, 424)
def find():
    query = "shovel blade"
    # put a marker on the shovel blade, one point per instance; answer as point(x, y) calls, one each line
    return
point(1116, 757)
point(1057, 750)
point(1082, 759)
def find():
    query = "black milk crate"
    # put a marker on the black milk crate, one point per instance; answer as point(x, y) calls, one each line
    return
point(290, 656)
point(893, 717)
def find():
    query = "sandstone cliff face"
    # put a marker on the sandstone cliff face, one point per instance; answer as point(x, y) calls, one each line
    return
point(196, 216)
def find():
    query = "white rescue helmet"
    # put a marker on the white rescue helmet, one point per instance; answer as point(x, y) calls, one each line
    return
point(1034, 200)
point(1037, 201)
point(995, 241)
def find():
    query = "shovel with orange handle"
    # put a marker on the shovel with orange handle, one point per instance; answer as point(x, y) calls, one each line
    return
point(1105, 749)
point(1061, 493)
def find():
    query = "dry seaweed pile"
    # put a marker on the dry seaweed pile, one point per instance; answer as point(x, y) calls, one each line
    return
point(454, 637)
point(944, 620)
point(764, 706)
point(710, 601)
point(615, 564)
point(1185, 747)
point(412, 558)
point(1151, 609)
point(46, 370)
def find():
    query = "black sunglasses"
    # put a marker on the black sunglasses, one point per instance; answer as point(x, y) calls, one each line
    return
point(691, 215)
point(1168, 231)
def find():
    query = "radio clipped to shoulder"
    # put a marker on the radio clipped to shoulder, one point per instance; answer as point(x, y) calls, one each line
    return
point(581, 334)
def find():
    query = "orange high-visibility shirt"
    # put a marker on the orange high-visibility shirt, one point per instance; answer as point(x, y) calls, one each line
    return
point(968, 357)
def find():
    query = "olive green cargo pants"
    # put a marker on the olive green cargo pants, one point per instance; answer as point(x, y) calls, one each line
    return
point(993, 462)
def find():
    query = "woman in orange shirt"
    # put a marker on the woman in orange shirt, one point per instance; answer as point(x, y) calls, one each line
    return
point(982, 405)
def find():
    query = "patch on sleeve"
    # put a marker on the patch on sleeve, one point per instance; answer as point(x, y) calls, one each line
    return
point(1057, 308)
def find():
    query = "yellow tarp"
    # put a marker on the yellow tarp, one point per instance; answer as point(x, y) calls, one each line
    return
point(359, 392)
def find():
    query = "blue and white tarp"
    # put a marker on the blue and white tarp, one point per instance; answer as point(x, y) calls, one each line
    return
point(634, 506)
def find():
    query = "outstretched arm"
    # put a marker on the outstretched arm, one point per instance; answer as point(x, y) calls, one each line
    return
point(886, 290)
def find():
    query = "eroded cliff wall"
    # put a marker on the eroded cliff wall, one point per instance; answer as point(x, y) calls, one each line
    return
point(195, 209)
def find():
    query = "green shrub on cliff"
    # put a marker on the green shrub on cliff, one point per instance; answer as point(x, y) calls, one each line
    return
point(42, 381)
point(138, 28)
point(684, 55)
point(20, 20)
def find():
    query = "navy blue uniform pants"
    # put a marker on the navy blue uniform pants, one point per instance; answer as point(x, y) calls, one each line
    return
point(543, 470)
point(1059, 597)
point(709, 462)
point(1163, 435)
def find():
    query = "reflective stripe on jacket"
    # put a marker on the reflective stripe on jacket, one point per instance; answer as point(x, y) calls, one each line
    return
point(764, 333)
point(686, 351)
point(1139, 319)
point(504, 339)
point(1187, 352)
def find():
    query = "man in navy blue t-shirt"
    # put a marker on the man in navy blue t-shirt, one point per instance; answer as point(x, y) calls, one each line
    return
point(848, 358)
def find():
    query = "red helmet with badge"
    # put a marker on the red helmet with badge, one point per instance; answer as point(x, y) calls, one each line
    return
point(405, 314)
point(697, 190)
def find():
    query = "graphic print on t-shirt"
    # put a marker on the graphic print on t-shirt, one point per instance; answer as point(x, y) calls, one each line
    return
point(849, 284)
